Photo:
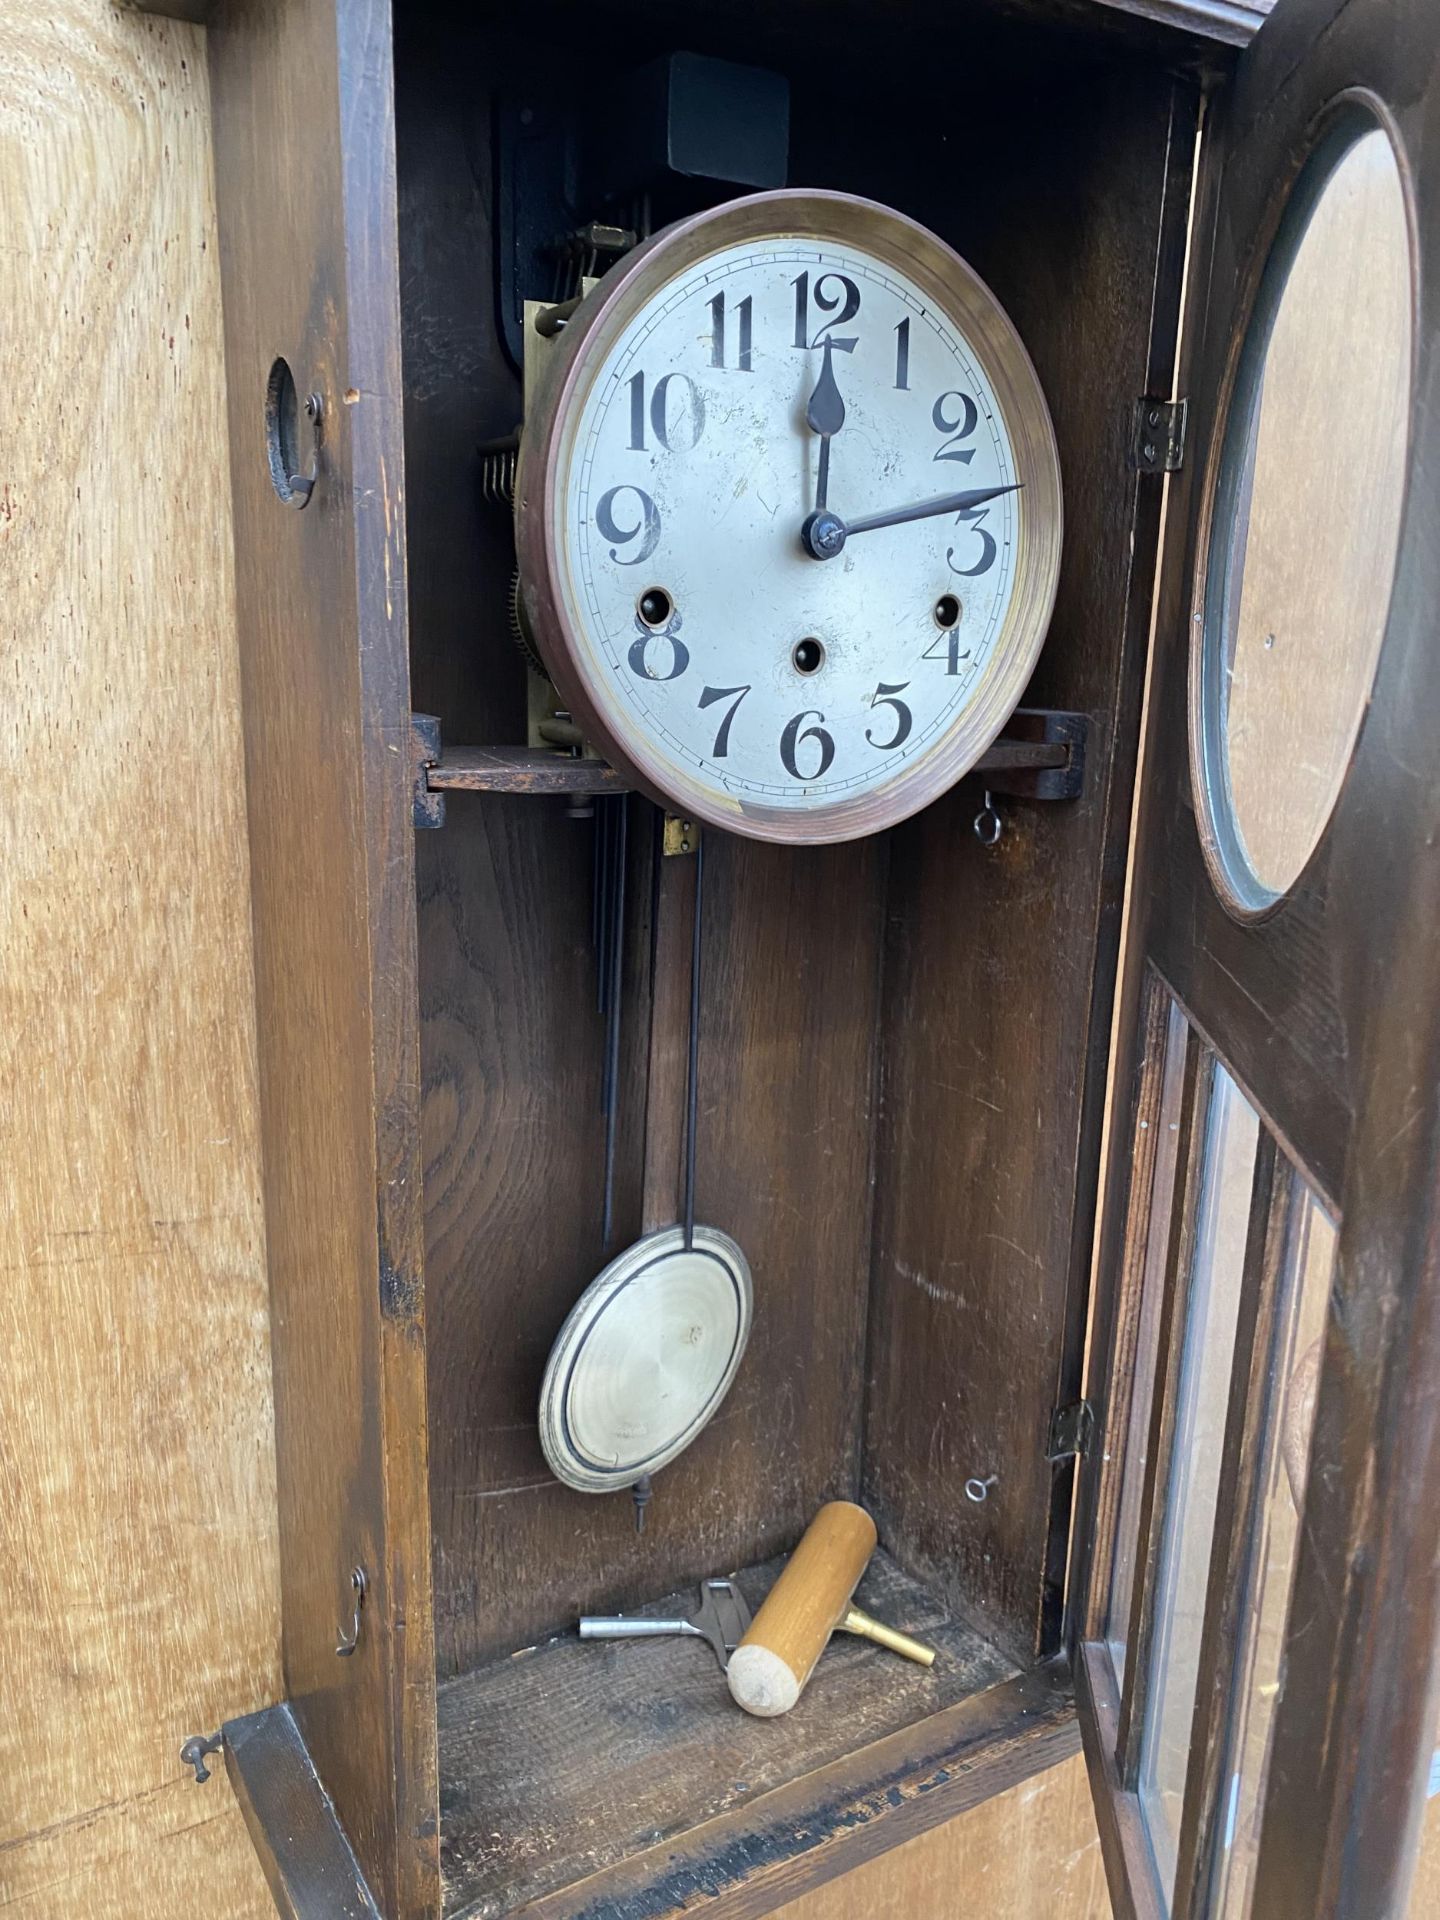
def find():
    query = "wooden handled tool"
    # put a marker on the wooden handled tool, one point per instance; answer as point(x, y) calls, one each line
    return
point(811, 1599)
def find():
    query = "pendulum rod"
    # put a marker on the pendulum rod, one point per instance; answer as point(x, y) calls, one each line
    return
point(692, 1055)
point(667, 1076)
point(613, 935)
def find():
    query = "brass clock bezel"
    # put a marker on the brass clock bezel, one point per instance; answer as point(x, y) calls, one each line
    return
point(547, 446)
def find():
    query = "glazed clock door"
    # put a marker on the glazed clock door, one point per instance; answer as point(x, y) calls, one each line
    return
point(1255, 1594)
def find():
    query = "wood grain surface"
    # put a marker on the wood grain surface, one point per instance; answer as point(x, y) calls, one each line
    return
point(309, 273)
point(998, 960)
point(527, 1812)
point(137, 1504)
point(1029, 1851)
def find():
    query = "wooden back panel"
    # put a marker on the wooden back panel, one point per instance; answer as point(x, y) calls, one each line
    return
point(981, 1164)
point(1000, 961)
point(305, 176)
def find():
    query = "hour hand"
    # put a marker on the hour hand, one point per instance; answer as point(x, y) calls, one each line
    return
point(825, 415)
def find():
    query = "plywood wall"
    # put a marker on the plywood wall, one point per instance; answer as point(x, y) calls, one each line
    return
point(137, 1551)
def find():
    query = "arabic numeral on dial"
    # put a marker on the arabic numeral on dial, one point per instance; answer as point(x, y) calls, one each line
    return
point(677, 660)
point(974, 517)
point(831, 290)
point(743, 313)
point(734, 695)
point(954, 658)
point(677, 428)
point(646, 529)
point(885, 697)
point(792, 737)
point(902, 357)
point(959, 426)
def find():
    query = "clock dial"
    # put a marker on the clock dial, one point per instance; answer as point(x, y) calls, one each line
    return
point(800, 515)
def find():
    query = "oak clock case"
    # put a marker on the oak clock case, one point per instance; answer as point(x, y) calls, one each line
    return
point(788, 516)
point(903, 1033)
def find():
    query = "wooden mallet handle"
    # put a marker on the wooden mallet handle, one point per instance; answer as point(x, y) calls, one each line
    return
point(769, 1668)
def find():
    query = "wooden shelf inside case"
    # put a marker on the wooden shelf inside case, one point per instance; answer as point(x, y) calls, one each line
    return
point(1039, 756)
point(521, 770)
point(606, 1778)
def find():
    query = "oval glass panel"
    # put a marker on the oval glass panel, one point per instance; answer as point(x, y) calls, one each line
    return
point(1307, 516)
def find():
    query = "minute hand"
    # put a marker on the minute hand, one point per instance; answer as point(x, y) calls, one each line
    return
point(923, 509)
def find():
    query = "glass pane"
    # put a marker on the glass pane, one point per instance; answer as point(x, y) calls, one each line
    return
point(1211, 1309)
point(1284, 1461)
point(1307, 514)
point(1142, 1391)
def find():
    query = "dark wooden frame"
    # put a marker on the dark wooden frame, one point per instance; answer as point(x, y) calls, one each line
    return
point(1332, 1037)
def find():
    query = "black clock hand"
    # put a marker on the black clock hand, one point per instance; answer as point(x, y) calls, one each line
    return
point(923, 509)
point(825, 415)
point(824, 534)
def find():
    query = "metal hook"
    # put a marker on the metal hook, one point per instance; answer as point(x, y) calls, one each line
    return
point(979, 1490)
point(347, 1643)
point(988, 824)
point(302, 485)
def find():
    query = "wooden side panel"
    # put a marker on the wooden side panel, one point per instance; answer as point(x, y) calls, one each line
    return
point(1000, 960)
point(140, 1598)
point(305, 169)
point(1029, 1853)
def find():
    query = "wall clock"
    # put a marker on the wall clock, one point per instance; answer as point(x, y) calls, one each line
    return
point(788, 515)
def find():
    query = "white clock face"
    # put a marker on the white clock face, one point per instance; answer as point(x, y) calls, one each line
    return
point(738, 666)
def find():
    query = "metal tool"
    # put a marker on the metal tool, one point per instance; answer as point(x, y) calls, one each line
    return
point(722, 1618)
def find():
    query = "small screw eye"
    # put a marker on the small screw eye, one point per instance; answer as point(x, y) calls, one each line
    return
point(988, 824)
